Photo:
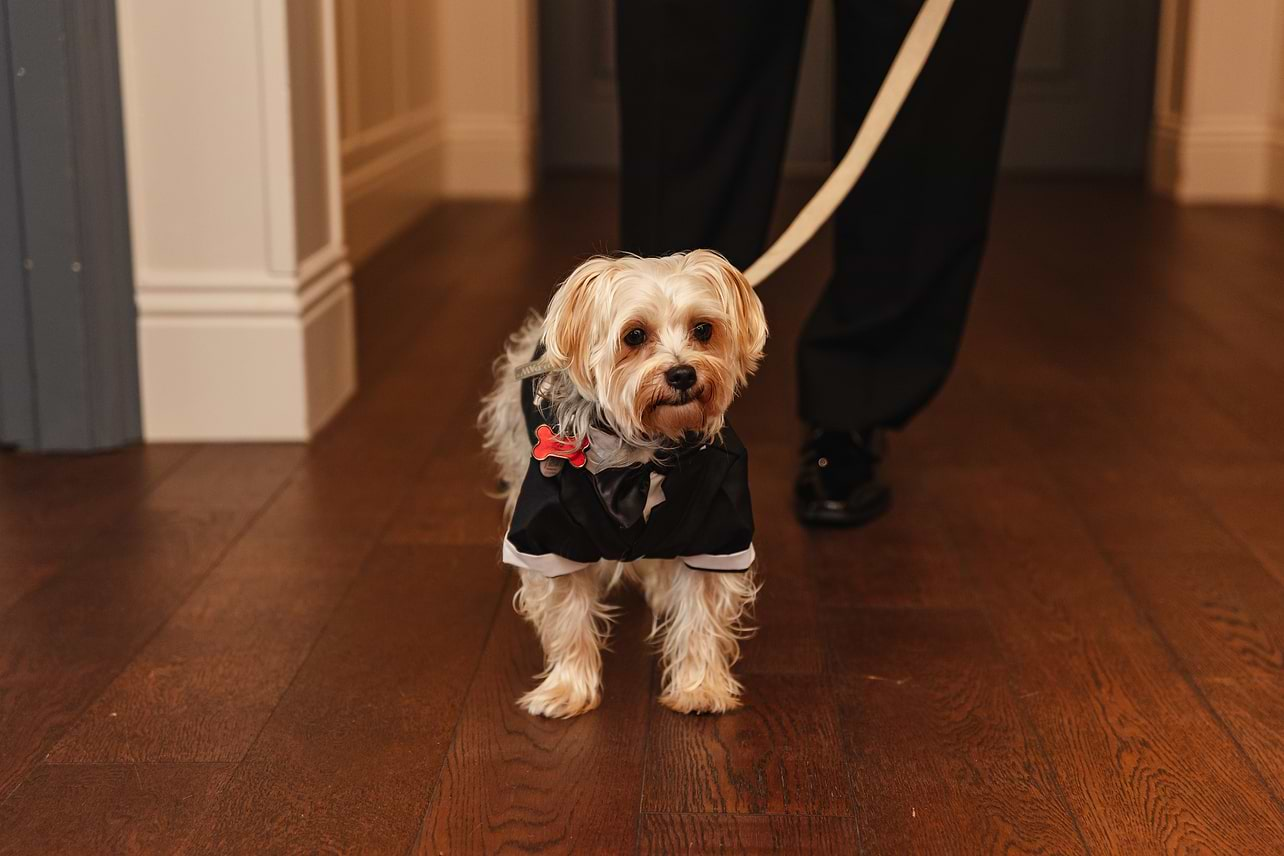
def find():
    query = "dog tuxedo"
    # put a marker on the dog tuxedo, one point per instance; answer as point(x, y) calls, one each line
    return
point(691, 503)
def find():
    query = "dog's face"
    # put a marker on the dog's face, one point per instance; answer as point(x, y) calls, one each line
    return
point(662, 345)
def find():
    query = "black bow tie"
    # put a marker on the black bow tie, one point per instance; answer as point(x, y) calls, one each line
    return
point(624, 490)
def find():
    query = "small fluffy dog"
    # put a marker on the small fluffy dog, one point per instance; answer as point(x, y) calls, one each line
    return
point(618, 464)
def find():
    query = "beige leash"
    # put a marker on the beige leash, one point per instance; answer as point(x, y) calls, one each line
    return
point(905, 70)
point(887, 104)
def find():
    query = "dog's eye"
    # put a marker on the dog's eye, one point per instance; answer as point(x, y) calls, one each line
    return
point(635, 337)
point(703, 331)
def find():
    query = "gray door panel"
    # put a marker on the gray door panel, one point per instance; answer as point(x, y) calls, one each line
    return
point(17, 404)
point(69, 320)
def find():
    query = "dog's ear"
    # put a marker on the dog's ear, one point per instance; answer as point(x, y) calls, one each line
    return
point(572, 318)
point(743, 307)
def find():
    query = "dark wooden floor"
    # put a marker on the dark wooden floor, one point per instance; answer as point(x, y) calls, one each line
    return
point(1068, 637)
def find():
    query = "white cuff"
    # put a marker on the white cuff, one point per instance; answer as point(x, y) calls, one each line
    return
point(721, 562)
point(548, 564)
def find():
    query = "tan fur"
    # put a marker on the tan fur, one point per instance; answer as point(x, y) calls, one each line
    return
point(699, 618)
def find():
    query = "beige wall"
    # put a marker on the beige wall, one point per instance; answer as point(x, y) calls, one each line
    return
point(1277, 137)
point(1219, 101)
point(490, 84)
point(390, 99)
point(436, 101)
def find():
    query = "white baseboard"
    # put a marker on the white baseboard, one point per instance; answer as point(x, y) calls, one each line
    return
point(488, 157)
point(1216, 162)
point(246, 357)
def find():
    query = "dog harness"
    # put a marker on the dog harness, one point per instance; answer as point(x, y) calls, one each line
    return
point(691, 503)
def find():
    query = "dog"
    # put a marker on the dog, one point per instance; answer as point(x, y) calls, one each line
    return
point(617, 464)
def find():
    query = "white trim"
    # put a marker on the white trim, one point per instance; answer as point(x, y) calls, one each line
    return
point(246, 377)
point(548, 564)
point(1223, 159)
point(408, 124)
point(1277, 167)
point(249, 293)
point(740, 561)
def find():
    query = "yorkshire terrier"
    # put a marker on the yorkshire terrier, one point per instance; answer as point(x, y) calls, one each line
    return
point(618, 464)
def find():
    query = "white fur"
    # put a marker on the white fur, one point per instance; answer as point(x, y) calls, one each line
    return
point(699, 618)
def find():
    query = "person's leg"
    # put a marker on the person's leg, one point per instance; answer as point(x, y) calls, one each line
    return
point(883, 337)
point(706, 90)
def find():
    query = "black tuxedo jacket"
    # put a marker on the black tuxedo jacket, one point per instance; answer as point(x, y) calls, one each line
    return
point(564, 522)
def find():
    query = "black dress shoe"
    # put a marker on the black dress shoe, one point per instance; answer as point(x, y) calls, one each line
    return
point(838, 479)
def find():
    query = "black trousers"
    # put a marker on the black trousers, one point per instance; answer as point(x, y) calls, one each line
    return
point(706, 92)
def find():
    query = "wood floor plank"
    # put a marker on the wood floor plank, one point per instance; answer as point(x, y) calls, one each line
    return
point(67, 494)
point(108, 808)
point(785, 640)
point(230, 477)
point(1066, 636)
point(1249, 502)
point(781, 754)
point(350, 754)
point(50, 508)
point(1143, 764)
point(1137, 506)
point(453, 503)
point(515, 782)
point(1223, 616)
point(64, 642)
point(948, 433)
point(392, 300)
point(663, 834)
point(203, 687)
point(941, 757)
point(903, 560)
point(1138, 353)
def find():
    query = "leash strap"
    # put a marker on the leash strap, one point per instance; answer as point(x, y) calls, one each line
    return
point(905, 70)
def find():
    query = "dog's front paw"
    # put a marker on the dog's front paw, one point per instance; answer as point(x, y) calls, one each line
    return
point(703, 699)
point(557, 698)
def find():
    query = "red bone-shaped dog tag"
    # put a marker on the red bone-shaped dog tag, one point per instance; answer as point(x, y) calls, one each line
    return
point(551, 445)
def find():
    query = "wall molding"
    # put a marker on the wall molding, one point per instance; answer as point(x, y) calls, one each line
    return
point(243, 292)
point(1218, 128)
point(1224, 159)
point(1276, 156)
point(419, 138)
point(403, 125)
point(223, 338)
point(234, 376)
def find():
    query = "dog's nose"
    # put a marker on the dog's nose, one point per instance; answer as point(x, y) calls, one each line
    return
point(681, 378)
